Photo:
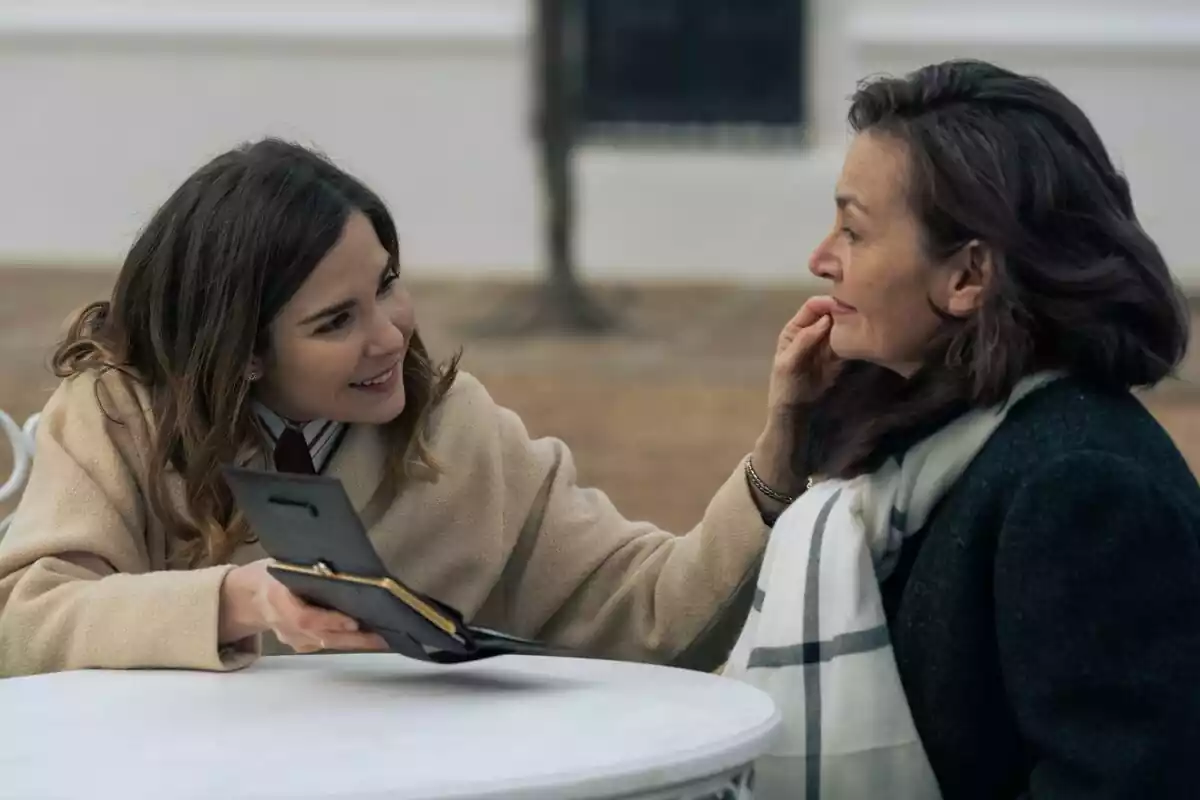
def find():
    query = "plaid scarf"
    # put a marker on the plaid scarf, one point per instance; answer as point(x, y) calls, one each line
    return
point(817, 639)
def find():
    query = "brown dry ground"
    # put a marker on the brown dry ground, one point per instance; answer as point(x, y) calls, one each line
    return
point(656, 414)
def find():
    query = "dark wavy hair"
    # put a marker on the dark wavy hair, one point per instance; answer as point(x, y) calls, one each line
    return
point(1077, 285)
point(192, 305)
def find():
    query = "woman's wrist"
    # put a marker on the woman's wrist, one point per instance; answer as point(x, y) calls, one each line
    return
point(774, 456)
point(237, 619)
point(770, 470)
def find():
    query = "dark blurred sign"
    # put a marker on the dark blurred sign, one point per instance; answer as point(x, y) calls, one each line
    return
point(695, 65)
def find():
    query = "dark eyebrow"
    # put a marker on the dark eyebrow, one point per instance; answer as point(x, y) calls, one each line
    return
point(346, 305)
point(330, 311)
point(845, 200)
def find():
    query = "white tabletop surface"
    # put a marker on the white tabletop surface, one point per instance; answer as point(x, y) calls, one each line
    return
point(375, 726)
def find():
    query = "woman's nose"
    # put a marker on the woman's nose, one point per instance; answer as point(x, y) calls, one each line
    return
point(823, 262)
point(386, 337)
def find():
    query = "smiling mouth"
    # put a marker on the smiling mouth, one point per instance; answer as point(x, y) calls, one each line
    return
point(382, 377)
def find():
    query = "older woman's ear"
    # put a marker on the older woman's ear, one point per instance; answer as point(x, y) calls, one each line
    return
point(971, 270)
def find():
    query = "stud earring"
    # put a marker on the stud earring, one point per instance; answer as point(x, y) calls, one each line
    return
point(253, 375)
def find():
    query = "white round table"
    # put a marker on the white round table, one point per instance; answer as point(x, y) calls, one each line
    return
point(381, 726)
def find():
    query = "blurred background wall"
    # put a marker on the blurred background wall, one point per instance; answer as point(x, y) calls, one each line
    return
point(108, 104)
point(713, 134)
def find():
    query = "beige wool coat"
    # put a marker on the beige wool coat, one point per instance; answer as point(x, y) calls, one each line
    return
point(505, 535)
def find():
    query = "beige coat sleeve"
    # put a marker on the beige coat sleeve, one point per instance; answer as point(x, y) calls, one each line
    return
point(77, 587)
point(580, 574)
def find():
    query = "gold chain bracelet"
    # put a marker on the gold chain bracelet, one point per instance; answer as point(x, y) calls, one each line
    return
point(762, 487)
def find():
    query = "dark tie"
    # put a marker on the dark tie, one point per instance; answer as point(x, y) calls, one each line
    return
point(291, 453)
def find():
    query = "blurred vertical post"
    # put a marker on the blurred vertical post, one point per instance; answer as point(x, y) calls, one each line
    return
point(562, 303)
point(566, 303)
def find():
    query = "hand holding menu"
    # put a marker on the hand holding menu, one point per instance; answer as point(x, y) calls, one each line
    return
point(322, 553)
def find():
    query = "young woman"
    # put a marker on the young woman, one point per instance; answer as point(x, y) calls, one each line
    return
point(260, 319)
point(992, 589)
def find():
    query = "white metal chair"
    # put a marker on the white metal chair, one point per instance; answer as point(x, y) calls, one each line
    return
point(22, 441)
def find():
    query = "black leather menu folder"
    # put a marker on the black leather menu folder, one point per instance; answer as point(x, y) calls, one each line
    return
point(307, 524)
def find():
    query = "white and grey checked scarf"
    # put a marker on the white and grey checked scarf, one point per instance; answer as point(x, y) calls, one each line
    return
point(817, 639)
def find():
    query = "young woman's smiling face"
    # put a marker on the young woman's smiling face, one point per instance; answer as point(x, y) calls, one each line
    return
point(337, 348)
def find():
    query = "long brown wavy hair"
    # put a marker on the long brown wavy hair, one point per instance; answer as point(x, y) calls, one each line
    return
point(192, 306)
point(1078, 285)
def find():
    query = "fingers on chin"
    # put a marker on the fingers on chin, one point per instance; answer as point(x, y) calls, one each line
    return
point(812, 313)
point(815, 333)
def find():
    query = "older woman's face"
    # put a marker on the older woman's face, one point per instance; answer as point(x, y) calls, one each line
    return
point(882, 279)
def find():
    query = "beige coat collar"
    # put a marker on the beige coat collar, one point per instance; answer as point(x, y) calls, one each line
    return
point(359, 464)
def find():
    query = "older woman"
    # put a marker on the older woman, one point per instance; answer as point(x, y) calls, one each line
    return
point(260, 319)
point(992, 587)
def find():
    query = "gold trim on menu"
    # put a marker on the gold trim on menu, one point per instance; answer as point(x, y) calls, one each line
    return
point(323, 570)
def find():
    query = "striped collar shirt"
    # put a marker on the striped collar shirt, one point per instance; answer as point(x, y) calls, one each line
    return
point(322, 435)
